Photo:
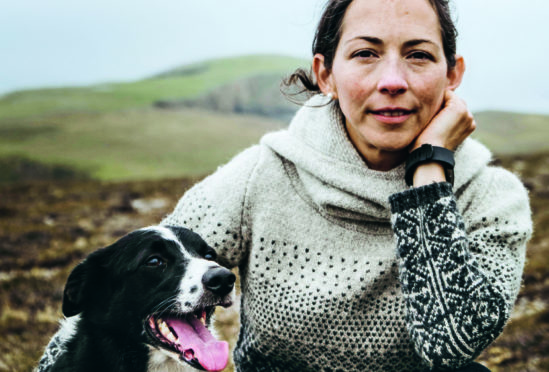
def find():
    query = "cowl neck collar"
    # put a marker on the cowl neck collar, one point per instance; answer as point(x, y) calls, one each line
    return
point(331, 172)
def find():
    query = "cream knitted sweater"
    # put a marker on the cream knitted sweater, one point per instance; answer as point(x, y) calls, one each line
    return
point(346, 269)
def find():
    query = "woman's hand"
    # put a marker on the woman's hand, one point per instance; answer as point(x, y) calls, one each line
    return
point(450, 126)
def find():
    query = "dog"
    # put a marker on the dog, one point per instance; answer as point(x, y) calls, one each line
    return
point(145, 304)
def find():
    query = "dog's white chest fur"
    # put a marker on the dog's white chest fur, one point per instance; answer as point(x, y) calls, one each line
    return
point(163, 362)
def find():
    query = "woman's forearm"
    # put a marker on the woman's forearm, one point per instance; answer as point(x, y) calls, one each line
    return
point(453, 309)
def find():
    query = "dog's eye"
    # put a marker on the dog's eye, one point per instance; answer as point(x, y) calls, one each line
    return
point(210, 255)
point(155, 261)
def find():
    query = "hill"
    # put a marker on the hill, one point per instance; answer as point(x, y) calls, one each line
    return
point(185, 82)
point(513, 133)
point(256, 95)
point(114, 132)
point(182, 122)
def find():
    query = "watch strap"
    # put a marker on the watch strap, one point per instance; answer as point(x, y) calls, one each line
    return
point(428, 153)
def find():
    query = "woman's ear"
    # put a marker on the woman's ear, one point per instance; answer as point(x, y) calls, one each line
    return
point(455, 75)
point(323, 76)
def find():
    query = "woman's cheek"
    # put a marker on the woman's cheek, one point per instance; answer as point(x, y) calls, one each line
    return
point(430, 93)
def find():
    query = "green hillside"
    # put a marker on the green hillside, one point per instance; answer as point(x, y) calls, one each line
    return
point(114, 132)
point(513, 133)
point(255, 95)
point(134, 144)
point(185, 82)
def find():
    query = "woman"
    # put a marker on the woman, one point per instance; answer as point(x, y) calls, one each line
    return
point(343, 266)
point(306, 214)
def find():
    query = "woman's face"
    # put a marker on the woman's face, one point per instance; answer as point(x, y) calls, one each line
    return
point(389, 72)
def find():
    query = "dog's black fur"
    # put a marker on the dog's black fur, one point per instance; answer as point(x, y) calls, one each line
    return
point(117, 289)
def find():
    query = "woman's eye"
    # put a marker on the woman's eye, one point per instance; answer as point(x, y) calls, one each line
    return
point(155, 261)
point(420, 56)
point(364, 54)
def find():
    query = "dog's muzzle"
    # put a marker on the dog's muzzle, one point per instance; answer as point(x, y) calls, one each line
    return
point(187, 334)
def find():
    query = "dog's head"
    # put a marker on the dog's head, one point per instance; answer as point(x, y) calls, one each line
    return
point(159, 285)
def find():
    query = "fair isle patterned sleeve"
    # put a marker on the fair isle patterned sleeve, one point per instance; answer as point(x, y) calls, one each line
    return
point(460, 275)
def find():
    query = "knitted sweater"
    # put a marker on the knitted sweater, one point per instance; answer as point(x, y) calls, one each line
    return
point(344, 268)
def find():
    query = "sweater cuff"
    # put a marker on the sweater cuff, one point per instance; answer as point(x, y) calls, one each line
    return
point(418, 196)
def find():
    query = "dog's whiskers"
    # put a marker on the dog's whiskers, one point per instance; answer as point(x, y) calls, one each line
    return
point(165, 305)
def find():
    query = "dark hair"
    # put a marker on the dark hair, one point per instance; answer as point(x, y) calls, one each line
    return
point(328, 34)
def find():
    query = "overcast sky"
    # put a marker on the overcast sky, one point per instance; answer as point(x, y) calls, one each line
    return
point(72, 42)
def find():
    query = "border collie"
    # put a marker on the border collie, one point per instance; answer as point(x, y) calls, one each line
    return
point(145, 304)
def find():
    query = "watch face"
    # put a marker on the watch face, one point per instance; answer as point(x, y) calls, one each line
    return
point(427, 151)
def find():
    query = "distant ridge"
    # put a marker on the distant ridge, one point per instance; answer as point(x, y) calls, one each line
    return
point(184, 82)
point(185, 121)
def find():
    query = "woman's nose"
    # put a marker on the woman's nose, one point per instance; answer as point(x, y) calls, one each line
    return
point(393, 79)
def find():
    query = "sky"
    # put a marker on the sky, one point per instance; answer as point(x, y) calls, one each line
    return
point(51, 43)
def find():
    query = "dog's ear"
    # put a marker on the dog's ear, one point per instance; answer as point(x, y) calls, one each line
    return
point(73, 295)
point(84, 280)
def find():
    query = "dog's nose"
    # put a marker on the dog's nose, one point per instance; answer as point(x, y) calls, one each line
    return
point(219, 280)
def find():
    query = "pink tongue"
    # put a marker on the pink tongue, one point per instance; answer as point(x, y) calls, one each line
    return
point(194, 338)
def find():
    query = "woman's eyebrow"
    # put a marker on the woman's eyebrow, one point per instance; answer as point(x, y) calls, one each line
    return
point(370, 39)
point(378, 41)
point(414, 42)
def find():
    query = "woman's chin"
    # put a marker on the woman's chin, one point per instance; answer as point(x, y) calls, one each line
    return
point(394, 145)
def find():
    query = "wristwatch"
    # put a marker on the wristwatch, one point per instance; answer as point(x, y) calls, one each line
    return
point(426, 154)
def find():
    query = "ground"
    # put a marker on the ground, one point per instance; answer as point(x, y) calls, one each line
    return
point(47, 227)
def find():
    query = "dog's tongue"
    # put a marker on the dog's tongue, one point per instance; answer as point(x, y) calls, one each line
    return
point(198, 343)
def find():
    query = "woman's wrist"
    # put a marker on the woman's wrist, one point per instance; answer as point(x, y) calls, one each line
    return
point(429, 164)
point(428, 173)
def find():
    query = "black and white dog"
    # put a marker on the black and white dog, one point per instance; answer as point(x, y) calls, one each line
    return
point(144, 304)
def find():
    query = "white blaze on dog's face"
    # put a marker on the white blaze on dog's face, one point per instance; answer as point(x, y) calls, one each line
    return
point(182, 329)
point(194, 291)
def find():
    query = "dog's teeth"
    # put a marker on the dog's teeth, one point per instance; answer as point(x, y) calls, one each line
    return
point(170, 336)
point(164, 328)
point(166, 331)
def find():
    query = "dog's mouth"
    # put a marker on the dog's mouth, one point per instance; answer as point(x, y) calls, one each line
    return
point(188, 336)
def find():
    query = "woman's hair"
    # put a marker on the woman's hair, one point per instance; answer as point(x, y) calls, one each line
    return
point(328, 34)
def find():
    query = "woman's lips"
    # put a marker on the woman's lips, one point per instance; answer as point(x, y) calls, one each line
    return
point(392, 115)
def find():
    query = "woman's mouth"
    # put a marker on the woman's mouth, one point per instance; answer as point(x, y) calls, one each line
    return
point(392, 115)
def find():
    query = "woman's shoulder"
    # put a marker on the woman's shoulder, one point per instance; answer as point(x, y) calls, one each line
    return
point(495, 189)
point(496, 180)
point(477, 170)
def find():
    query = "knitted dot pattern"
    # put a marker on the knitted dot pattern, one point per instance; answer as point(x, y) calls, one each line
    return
point(199, 213)
point(457, 304)
point(315, 309)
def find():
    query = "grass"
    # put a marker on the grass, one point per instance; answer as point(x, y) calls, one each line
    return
point(113, 131)
point(513, 133)
point(47, 227)
point(135, 144)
